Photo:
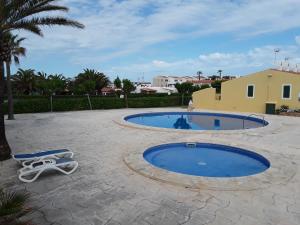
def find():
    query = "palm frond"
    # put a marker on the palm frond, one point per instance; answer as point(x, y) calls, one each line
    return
point(14, 50)
point(29, 11)
point(16, 60)
point(24, 25)
point(20, 40)
point(33, 24)
point(12, 202)
point(21, 15)
point(50, 21)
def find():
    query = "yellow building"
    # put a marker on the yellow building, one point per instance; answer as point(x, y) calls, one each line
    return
point(253, 92)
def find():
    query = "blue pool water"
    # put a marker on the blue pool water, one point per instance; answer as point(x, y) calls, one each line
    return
point(196, 121)
point(209, 160)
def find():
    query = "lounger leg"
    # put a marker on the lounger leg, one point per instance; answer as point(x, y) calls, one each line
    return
point(22, 175)
point(68, 172)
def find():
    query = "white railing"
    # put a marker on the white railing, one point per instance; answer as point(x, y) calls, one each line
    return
point(253, 114)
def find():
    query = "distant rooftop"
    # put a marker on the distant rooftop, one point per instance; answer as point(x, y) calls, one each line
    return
point(202, 81)
point(170, 76)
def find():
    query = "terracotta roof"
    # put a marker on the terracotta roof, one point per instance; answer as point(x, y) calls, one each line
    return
point(107, 89)
point(202, 81)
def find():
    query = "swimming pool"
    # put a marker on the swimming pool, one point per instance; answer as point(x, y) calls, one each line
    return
point(208, 160)
point(196, 121)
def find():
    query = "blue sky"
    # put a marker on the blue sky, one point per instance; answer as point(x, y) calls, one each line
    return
point(144, 38)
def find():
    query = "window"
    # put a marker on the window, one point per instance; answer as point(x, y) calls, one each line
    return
point(250, 91)
point(286, 91)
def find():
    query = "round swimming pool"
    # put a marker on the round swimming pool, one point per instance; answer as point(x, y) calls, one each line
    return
point(208, 160)
point(196, 121)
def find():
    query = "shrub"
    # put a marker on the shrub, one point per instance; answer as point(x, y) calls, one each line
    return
point(107, 103)
point(70, 103)
point(35, 104)
point(204, 86)
point(148, 102)
point(30, 105)
point(13, 206)
point(284, 108)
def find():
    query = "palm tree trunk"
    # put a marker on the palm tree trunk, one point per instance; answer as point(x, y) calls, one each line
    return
point(126, 100)
point(5, 152)
point(9, 93)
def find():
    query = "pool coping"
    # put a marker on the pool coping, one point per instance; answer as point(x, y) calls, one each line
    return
point(281, 171)
point(271, 127)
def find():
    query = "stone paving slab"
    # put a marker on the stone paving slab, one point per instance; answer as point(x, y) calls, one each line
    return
point(105, 191)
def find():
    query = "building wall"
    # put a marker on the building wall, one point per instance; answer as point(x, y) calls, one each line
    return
point(268, 88)
point(169, 81)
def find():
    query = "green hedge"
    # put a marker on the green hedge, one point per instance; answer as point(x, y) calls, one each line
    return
point(30, 106)
point(148, 102)
point(35, 104)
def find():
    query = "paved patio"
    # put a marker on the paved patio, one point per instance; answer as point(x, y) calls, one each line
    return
point(105, 191)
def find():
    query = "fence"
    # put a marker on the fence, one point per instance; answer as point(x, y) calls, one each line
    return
point(36, 104)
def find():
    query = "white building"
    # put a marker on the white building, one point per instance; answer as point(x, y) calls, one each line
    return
point(170, 81)
point(152, 90)
point(142, 84)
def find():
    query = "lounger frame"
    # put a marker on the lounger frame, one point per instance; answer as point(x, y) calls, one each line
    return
point(46, 165)
point(27, 160)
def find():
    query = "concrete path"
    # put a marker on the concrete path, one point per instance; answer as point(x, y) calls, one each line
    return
point(105, 191)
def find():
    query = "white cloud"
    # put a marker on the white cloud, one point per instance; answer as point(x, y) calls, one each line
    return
point(298, 40)
point(115, 28)
point(231, 63)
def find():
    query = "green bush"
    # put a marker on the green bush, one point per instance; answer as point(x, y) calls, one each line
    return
point(36, 104)
point(30, 105)
point(148, 102)
point(70, 103)
point(107, 103)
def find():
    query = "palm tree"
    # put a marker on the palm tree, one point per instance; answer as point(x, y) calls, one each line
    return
point(92, 80)
point(127, 88)
point(220, 73)
point(24, 15)
point(15, 51)
point(56, 83)
point(118, 86)
point(25, 81)
point(199, 73)
point(41, 82)
point(184, 88)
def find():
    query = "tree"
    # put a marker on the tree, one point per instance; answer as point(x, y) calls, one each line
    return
point(41, 83)
point(24, 15)
point(14, 51)
point(118, 85)
point(184, 88)
point(25, 81)
point(55, 84)
point(128, 87)
point(204, 86)
point(217, 84)
point(199, 73)
point(213, 77)
point(91, 81)
point(220, 73)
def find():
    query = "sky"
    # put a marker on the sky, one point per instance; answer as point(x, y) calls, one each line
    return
point(139, 39)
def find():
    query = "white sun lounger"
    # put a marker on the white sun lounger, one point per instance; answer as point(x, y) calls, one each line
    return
point(30, 173)
point(25, 159)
